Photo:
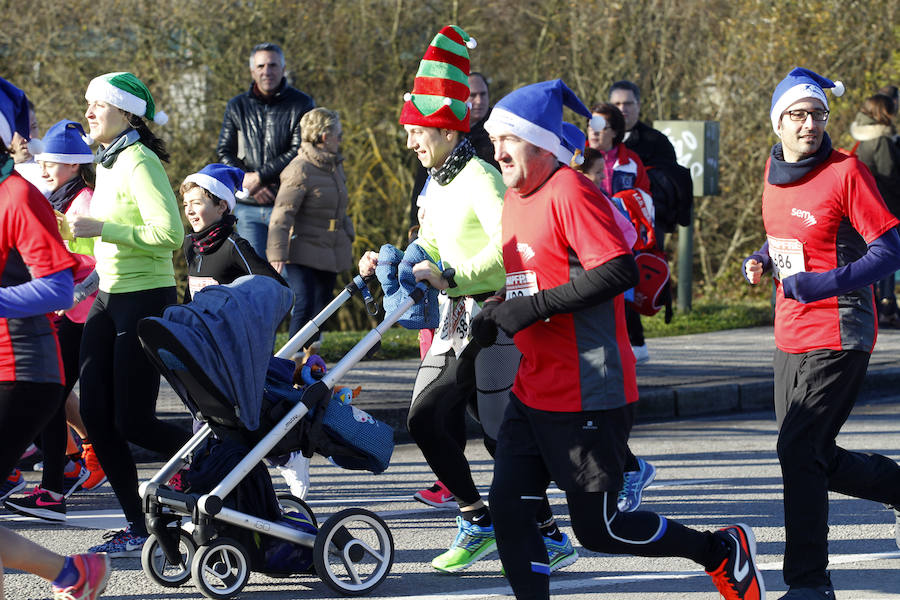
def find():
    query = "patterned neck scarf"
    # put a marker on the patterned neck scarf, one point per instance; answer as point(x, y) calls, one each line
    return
point(62, 196)
point(107, 156)
point(463, 152)
point(209, 239)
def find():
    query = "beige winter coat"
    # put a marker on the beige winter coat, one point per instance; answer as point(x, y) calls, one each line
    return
point(309, 224)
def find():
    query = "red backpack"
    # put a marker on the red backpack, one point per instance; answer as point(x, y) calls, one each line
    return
point(653, 268)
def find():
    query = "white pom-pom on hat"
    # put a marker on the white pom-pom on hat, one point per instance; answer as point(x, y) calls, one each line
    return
point(241, 194)
point(407, 97)
point(35, 146)
point(160, 118)
point(597, 122)
point(578, 158)
point(471, 44)
point(838, 89)
point(447, 101)
point(87, 139)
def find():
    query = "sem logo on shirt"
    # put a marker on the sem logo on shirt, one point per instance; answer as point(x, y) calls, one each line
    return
point(808, 218)
point(525, 251)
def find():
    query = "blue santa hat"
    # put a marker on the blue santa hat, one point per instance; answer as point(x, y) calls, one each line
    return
point(14, 116)
point(535, 114)
point(222, 181)
point(801, 83)
point(65, 142)
point(572, 145)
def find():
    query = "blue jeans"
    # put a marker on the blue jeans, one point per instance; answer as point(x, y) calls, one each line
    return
point(312, 292)
point(253, 225)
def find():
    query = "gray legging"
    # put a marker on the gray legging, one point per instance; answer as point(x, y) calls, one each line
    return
point(444, 386)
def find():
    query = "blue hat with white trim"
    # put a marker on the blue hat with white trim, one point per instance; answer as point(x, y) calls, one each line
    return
point(222, 181)
point(535, 114)
point(13, 113)
point(65, 142)
point(801, 83)
point(572, 145)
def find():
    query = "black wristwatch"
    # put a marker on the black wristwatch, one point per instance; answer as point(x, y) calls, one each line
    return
point(449, 273)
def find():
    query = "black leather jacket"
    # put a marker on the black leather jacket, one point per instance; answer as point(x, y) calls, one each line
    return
point(269, 131)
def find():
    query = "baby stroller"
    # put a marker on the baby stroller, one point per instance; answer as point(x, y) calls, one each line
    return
point(218, 364)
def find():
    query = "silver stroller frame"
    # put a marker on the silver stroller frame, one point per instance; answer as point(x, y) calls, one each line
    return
point(219, 566)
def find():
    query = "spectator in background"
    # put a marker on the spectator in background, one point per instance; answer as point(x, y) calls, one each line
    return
point(260, 135)
point(892, 92)
point(877, 148)
point(310, 234)
point(670, 183)
point(623, 170)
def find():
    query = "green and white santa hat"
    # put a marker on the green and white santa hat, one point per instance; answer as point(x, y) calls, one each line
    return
point(125, 91)
point(441, 90)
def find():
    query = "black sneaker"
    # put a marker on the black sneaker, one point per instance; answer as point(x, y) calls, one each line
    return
point(39, 503)
point(823, 592)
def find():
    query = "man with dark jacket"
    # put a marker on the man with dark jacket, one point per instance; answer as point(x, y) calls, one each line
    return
point(670, 183)
point(260, 135)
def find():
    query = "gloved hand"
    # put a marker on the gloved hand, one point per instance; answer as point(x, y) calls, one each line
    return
point(483, 327)
point(515, 314)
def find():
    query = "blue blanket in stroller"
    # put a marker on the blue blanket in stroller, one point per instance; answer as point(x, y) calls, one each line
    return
point(230, 331)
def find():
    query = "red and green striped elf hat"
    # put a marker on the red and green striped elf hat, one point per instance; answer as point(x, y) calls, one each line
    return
point(441, 89)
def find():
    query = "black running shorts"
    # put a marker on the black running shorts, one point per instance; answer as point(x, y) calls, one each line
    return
point(581, 451)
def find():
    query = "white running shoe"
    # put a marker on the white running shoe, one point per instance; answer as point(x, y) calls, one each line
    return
point(296, 474)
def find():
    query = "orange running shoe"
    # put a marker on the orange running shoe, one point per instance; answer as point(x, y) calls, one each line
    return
point(738, 578)
point(97, 477)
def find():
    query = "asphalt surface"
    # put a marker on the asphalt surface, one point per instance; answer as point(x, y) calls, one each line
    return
point(712, 471)
point(709, 373)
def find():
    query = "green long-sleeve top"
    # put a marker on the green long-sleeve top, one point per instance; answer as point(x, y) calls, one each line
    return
point(141, 223)
point(461, 228)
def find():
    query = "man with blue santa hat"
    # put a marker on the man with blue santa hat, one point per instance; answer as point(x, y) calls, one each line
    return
point(569, 415)
point(829, 237)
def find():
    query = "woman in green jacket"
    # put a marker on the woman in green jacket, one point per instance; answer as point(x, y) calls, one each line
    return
point(136, 225)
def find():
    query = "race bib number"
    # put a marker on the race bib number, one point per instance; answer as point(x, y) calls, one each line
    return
point(787, 257)
point(195, 284)
point(453, 333)
point(521, 283)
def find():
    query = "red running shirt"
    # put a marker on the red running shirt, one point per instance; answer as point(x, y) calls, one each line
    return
point(573, 361)
point(30, 247)
point(823, 221)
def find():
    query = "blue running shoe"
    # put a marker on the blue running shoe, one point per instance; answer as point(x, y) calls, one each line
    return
point(560, 554)
point(12, 484)
point(472, 542)
point(635, 483)
point(121, 544)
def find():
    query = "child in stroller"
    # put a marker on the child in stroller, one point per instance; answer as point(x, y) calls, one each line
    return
point(216, 354)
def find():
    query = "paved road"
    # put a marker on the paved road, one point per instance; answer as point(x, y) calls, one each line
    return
point(712, 471)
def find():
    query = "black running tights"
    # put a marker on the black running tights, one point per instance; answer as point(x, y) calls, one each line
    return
point(25, 409)
point(119, 387)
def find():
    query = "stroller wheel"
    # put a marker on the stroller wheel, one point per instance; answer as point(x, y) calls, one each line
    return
point(221, 569)
point(159, 569)
point(354, 551)
point(290, 503)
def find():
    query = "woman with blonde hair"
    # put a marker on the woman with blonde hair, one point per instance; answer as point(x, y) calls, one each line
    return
point(310, 233)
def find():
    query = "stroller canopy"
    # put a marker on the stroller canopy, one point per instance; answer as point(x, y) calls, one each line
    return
point(230, 331)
